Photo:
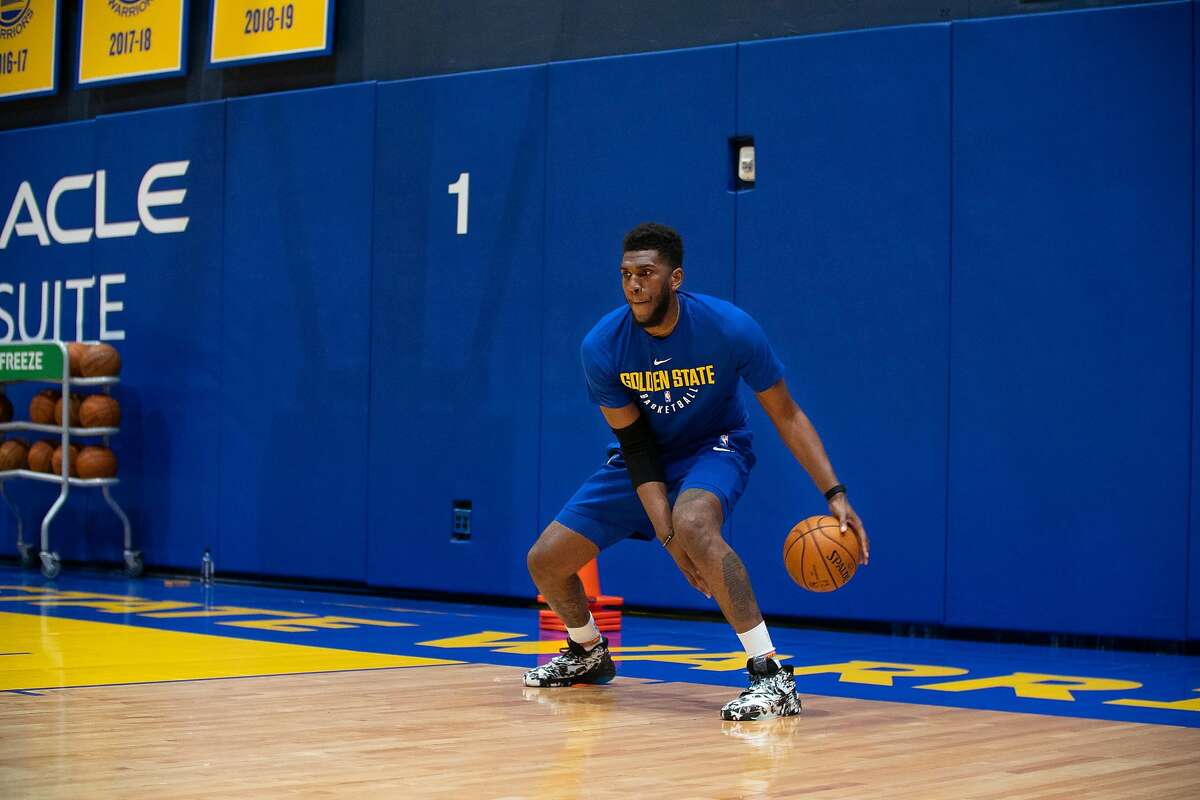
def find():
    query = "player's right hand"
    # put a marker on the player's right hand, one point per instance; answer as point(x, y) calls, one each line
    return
point(841, 509)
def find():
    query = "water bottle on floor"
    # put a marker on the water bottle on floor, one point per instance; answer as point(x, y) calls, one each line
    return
point(206, 569)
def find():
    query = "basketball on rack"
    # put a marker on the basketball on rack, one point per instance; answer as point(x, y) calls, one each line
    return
point(819, 556)
point(75, 351)
point(76, 401)
point(41, 407)
point(13, 455)
point(100, 411)
point(56, 461)
point(100, 360)
point(40, 456)
point(95, 461)
point(6, 408)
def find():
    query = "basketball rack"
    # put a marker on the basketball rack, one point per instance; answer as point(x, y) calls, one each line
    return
point(47, 362)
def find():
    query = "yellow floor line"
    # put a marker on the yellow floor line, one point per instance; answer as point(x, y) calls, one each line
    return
point(52, 652)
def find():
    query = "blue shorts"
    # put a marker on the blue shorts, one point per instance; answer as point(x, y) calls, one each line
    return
point(606, 508)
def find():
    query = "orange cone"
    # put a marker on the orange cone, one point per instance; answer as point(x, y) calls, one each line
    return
point(605, 608)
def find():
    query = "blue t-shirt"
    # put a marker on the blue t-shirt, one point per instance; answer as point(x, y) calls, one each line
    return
point(685, 383)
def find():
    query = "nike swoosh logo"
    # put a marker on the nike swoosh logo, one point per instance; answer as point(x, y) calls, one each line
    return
point(722, 449)
point(665, 360)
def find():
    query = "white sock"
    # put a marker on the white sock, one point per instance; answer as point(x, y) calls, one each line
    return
point(587, 633)
point(757, 641)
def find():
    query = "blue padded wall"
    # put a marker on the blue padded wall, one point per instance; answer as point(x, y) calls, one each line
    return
point(843, 257)
point(171, 293)
point(456, 331)
point(295, 338)
point(1071, 326)
point(630, 140)
point(42, 156)
point(973, 247)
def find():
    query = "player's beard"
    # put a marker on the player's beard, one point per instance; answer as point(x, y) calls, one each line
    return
point(658, 315)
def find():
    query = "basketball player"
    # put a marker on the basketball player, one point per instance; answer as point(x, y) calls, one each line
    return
point(664, 370)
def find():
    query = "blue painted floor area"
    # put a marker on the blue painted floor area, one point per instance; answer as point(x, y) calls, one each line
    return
point(1110, 685)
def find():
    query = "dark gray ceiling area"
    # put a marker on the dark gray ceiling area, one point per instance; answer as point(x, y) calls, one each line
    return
point(391, 39)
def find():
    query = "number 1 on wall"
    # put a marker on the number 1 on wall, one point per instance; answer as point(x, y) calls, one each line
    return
point(462, 188)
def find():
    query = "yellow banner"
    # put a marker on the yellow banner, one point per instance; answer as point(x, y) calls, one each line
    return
point(28, 47)
point(245, 31)
point(122, 40)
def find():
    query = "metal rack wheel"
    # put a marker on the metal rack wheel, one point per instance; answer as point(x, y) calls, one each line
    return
point(28, 554)
point(133, 563)
point(51, 566)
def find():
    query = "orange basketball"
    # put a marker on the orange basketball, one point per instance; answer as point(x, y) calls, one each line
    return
point(100, 411)
point(56, 461)
point(6, 408)
point(40, 456)
point(41, 407)
point(100, 360)
point(818, 556)
point(96, 462)
point(13, 455)
point(75, 351)
point(76, 401)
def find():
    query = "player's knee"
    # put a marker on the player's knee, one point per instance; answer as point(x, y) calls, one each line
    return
point(543, 562)
point(537, 560)
point(697, 527)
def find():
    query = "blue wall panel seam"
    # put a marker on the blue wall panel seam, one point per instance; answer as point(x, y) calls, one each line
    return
point(541, 403)
point(737, 199)
point(737, 131)
point(220, 532)
point(1187, 543)
point(949, 323)
point(366, 465)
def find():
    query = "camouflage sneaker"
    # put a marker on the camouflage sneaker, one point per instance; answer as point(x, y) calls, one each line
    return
point(772, 693)
point(574, 665)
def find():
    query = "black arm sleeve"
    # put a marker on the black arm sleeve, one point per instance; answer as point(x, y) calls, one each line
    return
point(640, 452)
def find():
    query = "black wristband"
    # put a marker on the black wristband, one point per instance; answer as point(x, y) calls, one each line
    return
point(835, 490)
point(640, 452)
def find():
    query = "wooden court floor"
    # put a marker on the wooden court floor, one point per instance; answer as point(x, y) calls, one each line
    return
point(160, 689)
point(471, 730)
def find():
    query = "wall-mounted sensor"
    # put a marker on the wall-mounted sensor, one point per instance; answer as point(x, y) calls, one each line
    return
point(746, 164)
point(745, 167)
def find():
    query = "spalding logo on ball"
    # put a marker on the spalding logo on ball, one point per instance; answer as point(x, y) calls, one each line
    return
point(819, 556)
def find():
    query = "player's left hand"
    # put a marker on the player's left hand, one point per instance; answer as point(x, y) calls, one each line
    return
point(682, 560)
point(840, 507)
